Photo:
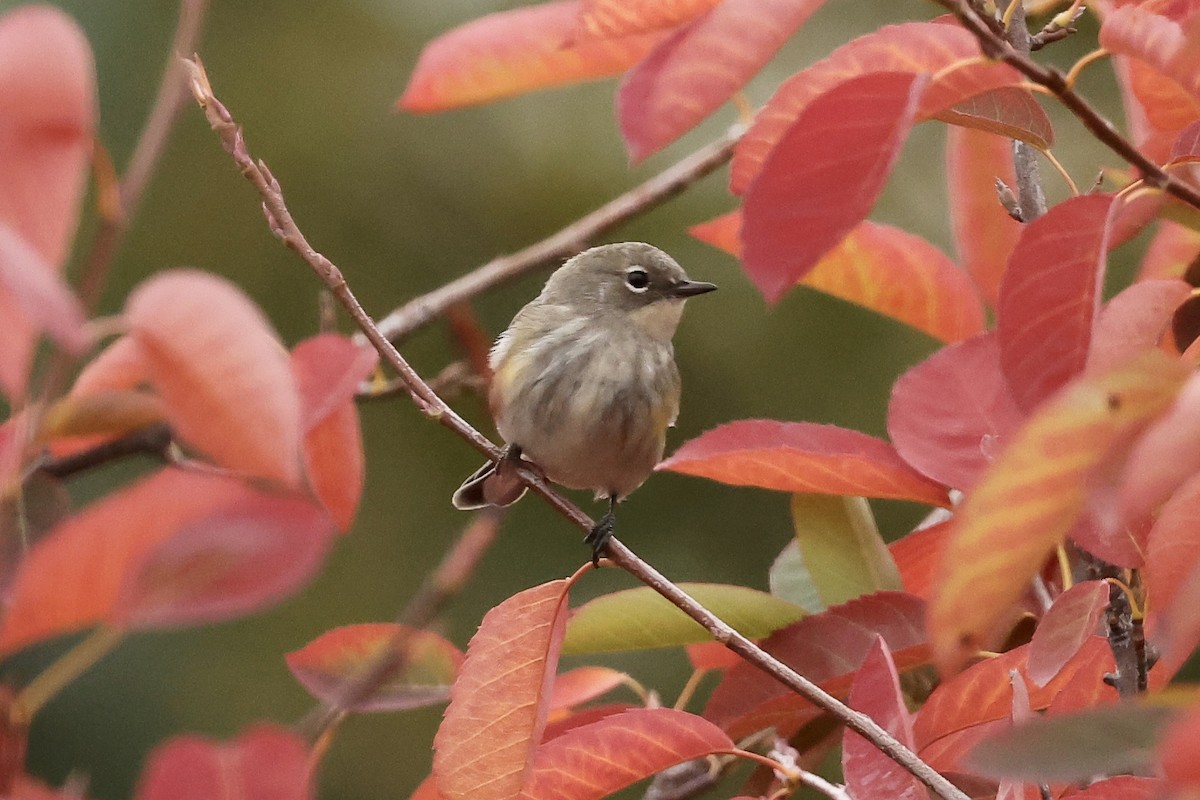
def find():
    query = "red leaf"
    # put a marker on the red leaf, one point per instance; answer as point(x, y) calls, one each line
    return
point(329, 666)
point(952, 415)
point(813, 189)
point(609, 18)
point(264, 763)
point(121, 365)
point(1067, 626)
point(886, 270)
point(1177, 754)
point(513, 52)
point(917, 48)
point(593, 761)
point(876, 693)
point(237, 559)
point(584, 684)
point(1050, 295)
point(1187, 145)
point(47, 126)
point(917, 556)
point(802, 457)
point(221, 370)
point(1133, 321)
point(827, 648)
point(711, 655)
point(1008, 111)
point(485, 745)
point(328, 369)
point(700, 66)
point(1171, 251)
point(978, 700)
point(1029, 498)
point(984, 234)
point(1167, 455)
point(71, 578)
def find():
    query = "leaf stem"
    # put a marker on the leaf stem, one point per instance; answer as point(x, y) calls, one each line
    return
point(98, 643)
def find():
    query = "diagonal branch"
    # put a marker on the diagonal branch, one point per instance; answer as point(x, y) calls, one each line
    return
point(994, 46)
point(420, 311)
point(285, 228)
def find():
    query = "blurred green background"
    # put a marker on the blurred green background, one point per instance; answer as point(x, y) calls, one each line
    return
point(403, 204)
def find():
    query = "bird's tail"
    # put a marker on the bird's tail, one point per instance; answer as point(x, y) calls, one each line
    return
point(496, 483)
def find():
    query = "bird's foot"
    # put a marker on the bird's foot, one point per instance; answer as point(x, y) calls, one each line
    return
point(599, 535)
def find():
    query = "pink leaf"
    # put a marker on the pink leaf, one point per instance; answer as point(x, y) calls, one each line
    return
point(700, 66)
point(266, 762)
point(41, 295)
point(951, 415)
point(876, 693)
point(217, 363)
point(1050, 296)
point(1067, 626)
point(1167, 454)
point(813, 189)
point(1133, 321)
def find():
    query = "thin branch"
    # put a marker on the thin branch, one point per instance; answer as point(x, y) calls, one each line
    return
point(1031, 195)
point(439, 588)
point(420, 311)
point(285, 228)
point(153, 441)
point(994, 46)
point(172, 93)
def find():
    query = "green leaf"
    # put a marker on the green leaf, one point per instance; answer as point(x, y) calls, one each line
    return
point(790, 580)
point(637, 619)
point(1072, 747)
point(841, 547)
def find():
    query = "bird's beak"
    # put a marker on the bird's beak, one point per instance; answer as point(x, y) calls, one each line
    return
point(692, 288)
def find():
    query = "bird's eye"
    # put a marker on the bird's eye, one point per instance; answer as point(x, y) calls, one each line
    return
point(637, 279)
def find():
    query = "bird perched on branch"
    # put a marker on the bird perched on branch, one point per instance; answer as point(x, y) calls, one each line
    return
point(584, 382)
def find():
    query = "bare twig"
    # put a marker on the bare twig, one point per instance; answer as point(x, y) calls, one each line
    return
point(423, 608)
point(284, 227)
point(994, 46)
point(146, 153)
point(1030, 192)
point(423, 310)
point(153, 441)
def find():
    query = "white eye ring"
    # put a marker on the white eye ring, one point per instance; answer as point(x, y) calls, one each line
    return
point(637, 279)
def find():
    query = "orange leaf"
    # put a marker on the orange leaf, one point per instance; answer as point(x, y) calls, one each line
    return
point(266, 762)
point(700, 66)
point(584, 684)
point(223, 374)
point(886, 270)
point(984, 234)
point(610, 18)
point(593, 761)
point(915, 48)
point(813, 189)
point(498, 706)
point(1026, 502)
point(1169, 45)
point(513, 52)
point(121, 365)
point(803, 457)
point(952, 414)
point(328, 369)
point(917, 556)
point(47, 126)
point(876, 693)
point(1050, 295)
point(329, 665)
point(72, 577)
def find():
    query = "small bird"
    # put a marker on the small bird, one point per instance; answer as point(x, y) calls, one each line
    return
point(584, 382)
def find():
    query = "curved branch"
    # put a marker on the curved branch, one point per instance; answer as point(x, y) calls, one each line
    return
point(285, 228)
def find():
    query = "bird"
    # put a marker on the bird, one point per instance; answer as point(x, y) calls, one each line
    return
point(584, 382)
